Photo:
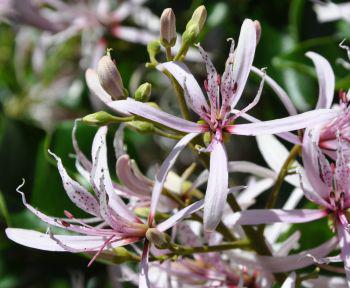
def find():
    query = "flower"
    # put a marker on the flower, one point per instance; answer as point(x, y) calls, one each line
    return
point(218, 115)
point(328, 11)
point(116, 224)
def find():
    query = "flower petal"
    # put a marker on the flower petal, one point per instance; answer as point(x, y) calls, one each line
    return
point(307, 119)
point(76, 192)
point(132, 177)
point(326, 80)
point(44, 241)
point(261, 216)
point(163, 172)
point(216, 194)
point(101, 172)
point(146, 111)
point(344, 243)
point(143, 277)
point(244, 56)
point(282, 95)
point(290, 281)
point(174, 219)
point(195, 98)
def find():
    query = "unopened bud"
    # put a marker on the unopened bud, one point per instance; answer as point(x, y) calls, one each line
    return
point(143, 93)
point(168, 28)
point(199, 16)
point(159, 239)
point(195, 25)
point(141, 126)
point(99, 118)
point(110, 78)
point(122, 255)
point(258, 30)
point(153, 48)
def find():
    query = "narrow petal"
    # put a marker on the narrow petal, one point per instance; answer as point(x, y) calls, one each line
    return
point(244, 56)
point(290, 281)
point(76, 192)
point(261, 216)
point(118, 141)
point(156, 115)
point(326, 80)
point(178, 216)
point(311, 165)
point(275, 154)
point(291, 243)
point(143, 277)
point(44, 241)
point(307, 119)
point(344, 243)
point(81, 158)
point(280, 92)
point(132, 177)
point(163, 172)
point(325, 282)
point(195, 98)
point(288, 136)
point(216, 194)
point(101, 172)
point(277, 264)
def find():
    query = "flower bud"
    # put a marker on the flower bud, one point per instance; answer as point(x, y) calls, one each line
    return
point(153, 48)
point(258, 30)
point(195, 25)
point(168, 28)
point(99, 118)
point(141, 126)
point(122, 255)
point(159, 239)
point(110, 78)
point(143, 93)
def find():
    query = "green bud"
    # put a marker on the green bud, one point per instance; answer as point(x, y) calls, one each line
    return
point(141, 126)
point(153, 48)
point(159, 239)
point(99, 118)
point(195, 25)
point(143, 93)
point(168, 28)
point(207, 138)
point(122, 255)
point(110, 78)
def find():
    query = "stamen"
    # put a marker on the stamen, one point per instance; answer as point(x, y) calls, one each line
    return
point(108, 241)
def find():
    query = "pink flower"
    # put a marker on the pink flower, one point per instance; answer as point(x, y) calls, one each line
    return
point(218, 114)
point(116, 224)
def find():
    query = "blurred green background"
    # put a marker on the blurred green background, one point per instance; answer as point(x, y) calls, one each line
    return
point(289, 29)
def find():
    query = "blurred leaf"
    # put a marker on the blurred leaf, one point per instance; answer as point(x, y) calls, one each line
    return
point(3, 210)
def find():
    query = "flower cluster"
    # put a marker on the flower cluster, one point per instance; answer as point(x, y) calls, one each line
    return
point(158, 220)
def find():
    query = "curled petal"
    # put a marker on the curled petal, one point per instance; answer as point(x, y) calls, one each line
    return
point(288, 104)
point(216, 194)
point(76, 192)
point(307, 119)
point(326, 80)
point(101, 172)
point(163, 172)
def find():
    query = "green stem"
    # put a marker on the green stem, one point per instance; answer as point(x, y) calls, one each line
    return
point(185, 250)
point(281, 175)
point(182, 52)
point(165, 134)
point(169, 57)
point(256, 239)
point(180, 96)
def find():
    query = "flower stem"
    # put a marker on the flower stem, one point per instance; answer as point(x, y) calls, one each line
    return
point(180, 96)
point(178, 250)
point(169, 57)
